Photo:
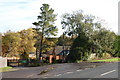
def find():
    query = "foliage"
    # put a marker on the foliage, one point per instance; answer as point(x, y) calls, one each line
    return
point(46, 20)
point(24, 56)
point(117, 47)
point(70, 22)
point(90, 36)
point(106, 56)
point(33, 63)
point(67, 41)
point(49, 43)
point(59, 61)
point(10, 44)
point(16, 43)
point(27, 41)
point(79, 49)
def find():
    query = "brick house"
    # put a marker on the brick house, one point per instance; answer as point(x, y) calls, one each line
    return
point(57, 53)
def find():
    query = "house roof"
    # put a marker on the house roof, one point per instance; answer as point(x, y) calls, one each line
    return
point(44, 55)
point(59, 49)
point(66, 52)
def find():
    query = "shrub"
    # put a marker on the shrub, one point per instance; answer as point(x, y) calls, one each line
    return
point(58, 61)
point(106, 55)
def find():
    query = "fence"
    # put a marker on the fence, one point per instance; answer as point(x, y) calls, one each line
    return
point(3, 62)
point(17, 62)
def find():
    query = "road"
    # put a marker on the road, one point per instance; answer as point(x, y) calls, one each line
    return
point(105, 71)
point(68, 70)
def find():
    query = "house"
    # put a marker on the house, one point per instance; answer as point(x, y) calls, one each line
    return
point(32, 55)
point(58, 53)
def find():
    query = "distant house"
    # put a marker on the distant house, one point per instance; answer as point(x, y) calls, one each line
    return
point(57, 53)
point(32, 55)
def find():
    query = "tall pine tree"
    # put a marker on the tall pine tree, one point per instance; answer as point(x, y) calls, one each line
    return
point(45, 24)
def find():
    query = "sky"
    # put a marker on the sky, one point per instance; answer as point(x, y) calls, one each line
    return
point(16, 15)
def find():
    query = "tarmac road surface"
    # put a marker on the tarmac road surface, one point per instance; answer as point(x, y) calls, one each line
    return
point(68, 70)
point(109, 70)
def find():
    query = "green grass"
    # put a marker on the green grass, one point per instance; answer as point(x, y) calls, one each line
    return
point(5, 69)
point(106, 60)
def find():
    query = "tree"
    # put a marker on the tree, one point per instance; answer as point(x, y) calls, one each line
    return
point(49, 43)
point(80, 27)
point(70, 22)
point(0, 44)
point(10, 44)
point(77, 22)
point(78, 48)
point(17, 43)
point(99, 40)
point(117, 46)
point(45, 24)
point(27, 41)
point(105, 41)
point(67, 41)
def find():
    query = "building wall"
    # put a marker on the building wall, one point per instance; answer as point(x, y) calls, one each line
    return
point(50, 58)
point(33, 56)
point(57, 57)
point(3, 62)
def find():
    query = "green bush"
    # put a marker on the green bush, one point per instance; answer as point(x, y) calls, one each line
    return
point(58, 61)
point(106, 55)
point(33, 63)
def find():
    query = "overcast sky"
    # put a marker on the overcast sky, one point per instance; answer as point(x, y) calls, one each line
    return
point(16, 15)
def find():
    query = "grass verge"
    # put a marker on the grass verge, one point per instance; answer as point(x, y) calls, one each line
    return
point(5, 69)
point(106, 60)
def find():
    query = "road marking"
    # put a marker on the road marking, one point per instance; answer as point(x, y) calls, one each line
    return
point(68, 72)
point(58, 75)
point(29, 75)
point(87, 68)
point(78, 70)
point(107, 72)
point(45, 77)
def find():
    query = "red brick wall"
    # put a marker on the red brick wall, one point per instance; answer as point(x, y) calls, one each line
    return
point(50, 58)
point(57, 57)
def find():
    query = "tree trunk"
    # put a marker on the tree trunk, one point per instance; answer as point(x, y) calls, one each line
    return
point(40, 55)
point(63, 46)
point(41, 43)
